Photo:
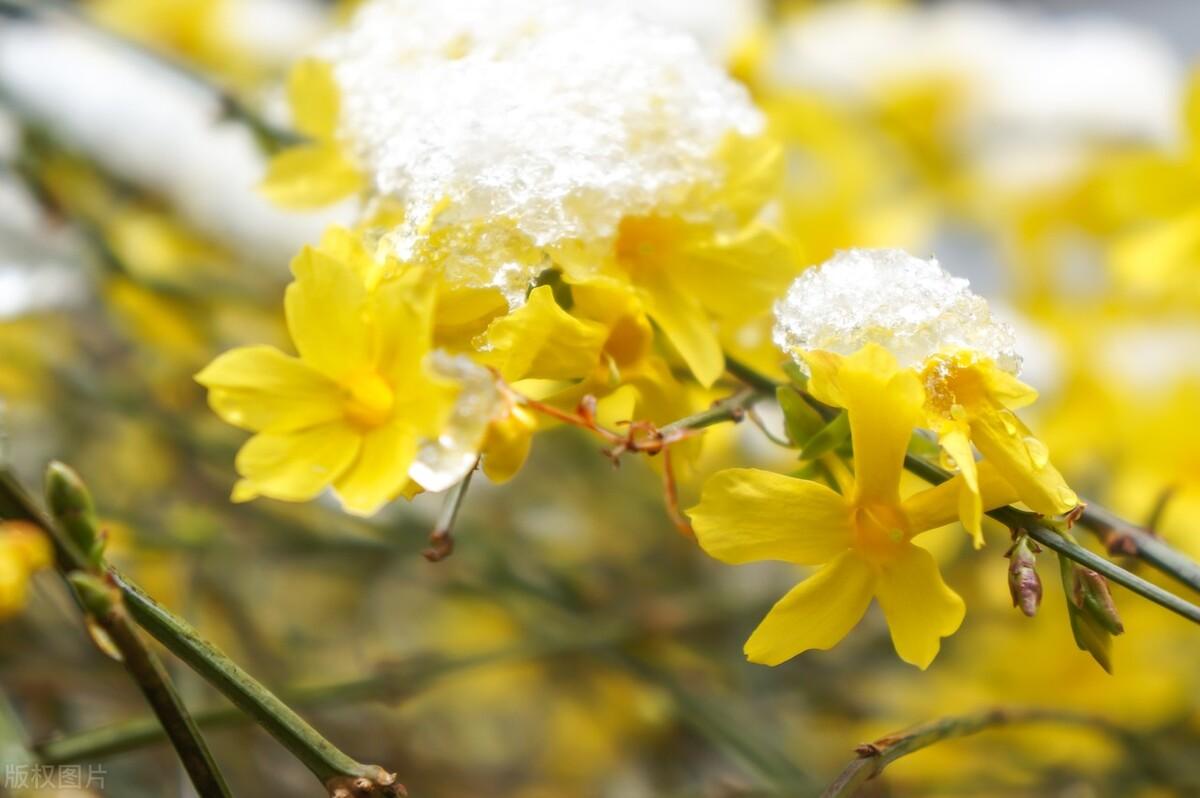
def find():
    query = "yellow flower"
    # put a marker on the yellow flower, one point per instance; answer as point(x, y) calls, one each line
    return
point(24, 550)
point(969, 400)
point(602, 348)
point(317, 172)
point(690, 274)
point(461, 314)
point(863, 538)
point(351, 410)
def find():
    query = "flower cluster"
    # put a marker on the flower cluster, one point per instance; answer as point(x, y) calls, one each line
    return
point(578, 194)
point(901, 346)
point(564, 207)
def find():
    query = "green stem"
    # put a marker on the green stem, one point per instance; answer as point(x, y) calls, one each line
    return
point(874, 757)
point(732, 408)
point(108, 613)
point(152, 679)
point(320, 756)
point(1121, 537)
point(332, 767)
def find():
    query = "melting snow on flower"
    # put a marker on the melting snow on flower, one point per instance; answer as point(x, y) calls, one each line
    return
point(907, 305)
point(536, 121)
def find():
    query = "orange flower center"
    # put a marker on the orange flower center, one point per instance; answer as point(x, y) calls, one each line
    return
point(880, 530)
point(369, 400)
point(952, 386)
point(646, 242)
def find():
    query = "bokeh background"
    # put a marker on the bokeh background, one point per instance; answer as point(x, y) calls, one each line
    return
point(575, 644)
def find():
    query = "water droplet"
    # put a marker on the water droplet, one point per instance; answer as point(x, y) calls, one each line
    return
point(958, 412)
point(1038, 452)
point(1068, 496)
point(1009, 421)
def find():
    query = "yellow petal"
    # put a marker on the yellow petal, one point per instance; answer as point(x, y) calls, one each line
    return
point(619, 407)
point(314, 98)
point(938, 506)
point(746, 514)
point(295, 466)
point(380, 472)
point(1023, 461)
point(884, 404)
point(955, 439)
point(737, 277)
point(401, 325)
point(508, 443)
point(755, 171)
point(310, 176)
point(687, 326)
point(1003, 387)
point(543, 341)
point(817, 613)
point(464, 313)
point(326, 310)
point(261, 389)
point(919, 607)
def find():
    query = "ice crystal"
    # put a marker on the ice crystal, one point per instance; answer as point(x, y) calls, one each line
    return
point(444, 461)
point(552, 119)
point(907, 305)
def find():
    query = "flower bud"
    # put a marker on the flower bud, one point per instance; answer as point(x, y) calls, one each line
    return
point(1091, 610)
point(1023, 582)
point(70, 503)
point(1091, 594)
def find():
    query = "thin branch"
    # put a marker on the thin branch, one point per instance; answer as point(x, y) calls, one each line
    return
point(341, 774)
point(1121, 537)
point(326, 761)
point(106, 609)
point(441, 539)
point(874, 757)
point(671, 492)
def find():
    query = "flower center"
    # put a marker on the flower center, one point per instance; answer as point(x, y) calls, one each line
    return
point(645, 242)
point(369, 400)
point(952, 385)
point(880, 530)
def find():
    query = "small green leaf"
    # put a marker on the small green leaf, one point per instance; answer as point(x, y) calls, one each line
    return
point(800, 420)
point(795, 374)
point(923, 446)
point(828, 438)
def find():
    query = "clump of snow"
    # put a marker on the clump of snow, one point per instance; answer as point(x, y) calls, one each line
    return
point(551, 118)
point(911, 307)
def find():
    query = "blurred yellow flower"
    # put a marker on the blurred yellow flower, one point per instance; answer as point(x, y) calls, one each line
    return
point(24, 550)
point(863, 538)
point(319, 171)
point(352, 408)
